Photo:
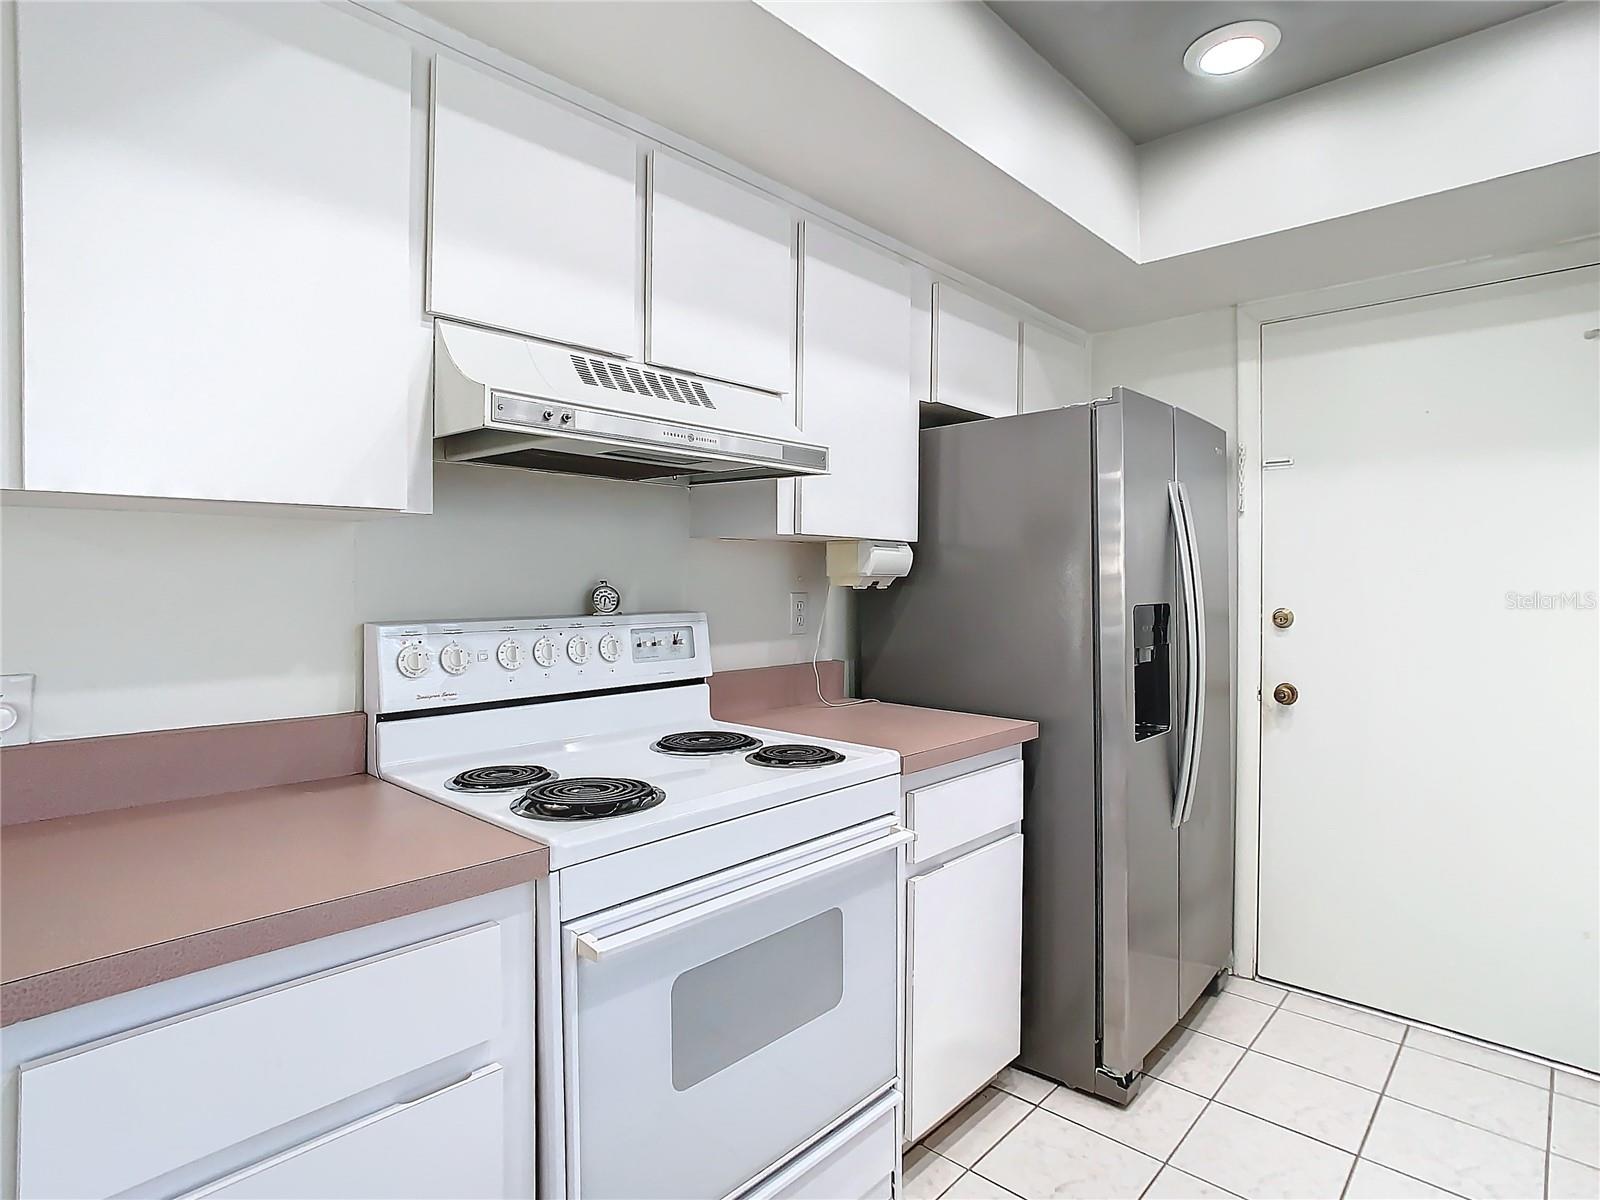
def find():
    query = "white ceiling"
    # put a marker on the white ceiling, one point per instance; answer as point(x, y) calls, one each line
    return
point(1127, 55)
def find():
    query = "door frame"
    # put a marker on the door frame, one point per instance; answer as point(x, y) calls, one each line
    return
point(1250, 319)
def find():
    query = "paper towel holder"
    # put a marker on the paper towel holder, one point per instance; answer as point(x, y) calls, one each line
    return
point(868, 564)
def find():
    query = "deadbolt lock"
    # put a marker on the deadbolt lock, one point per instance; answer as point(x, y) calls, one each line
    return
point(1286, 693)
point(1282, 617)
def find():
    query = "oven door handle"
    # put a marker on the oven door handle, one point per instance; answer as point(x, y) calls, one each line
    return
point(596, 947)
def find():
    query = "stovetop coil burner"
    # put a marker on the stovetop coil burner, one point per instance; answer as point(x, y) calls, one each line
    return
point(794, 757)
point(586, 798)
point(705, 741)
point(499, 778)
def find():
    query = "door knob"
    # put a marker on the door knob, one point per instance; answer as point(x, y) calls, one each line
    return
point(1286, 693)
point(1283, 617)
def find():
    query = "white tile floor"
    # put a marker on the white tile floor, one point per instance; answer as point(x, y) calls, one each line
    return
point(1271, 1095)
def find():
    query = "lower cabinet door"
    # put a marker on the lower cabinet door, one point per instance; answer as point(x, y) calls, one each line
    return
point(447, 1145)
point(964, 995)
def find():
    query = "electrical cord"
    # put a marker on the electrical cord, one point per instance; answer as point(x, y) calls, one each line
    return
point(816, 651)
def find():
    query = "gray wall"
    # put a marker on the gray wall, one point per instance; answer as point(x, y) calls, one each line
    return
point(152, 620)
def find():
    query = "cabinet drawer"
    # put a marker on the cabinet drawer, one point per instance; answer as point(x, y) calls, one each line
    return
point(103, 1118)
point(955, 811)
point(448, 1144)
point(855, 1163)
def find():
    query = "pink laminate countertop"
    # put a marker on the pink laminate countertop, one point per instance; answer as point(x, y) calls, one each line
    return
point(924, 737)
point(106, 902)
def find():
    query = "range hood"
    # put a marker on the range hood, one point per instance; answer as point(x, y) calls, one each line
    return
point(518, 402)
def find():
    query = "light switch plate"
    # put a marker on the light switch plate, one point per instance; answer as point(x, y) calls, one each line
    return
point(16, 710)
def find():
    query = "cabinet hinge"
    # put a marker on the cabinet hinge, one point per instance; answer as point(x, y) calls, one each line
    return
point(1240, 457)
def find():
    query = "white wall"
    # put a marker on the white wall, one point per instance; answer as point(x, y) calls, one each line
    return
point(1509, 99)
point(1190, 362)
point(152, 620)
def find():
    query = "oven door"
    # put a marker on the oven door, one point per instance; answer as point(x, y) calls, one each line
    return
point(712, 1029)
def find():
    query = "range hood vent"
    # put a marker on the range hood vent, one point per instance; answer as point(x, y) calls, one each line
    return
point(642, 381)
point(519, 402)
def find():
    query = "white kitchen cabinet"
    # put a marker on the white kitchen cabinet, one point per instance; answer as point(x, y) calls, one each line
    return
point(975, 354)
point(10, 339)
point(961, 810)
point(394, 1060)
point(444, 1146)
point(965, 1019)
point(963, 988)
point(221, 288)
point(721, 277)
point(855, 390)
point(1055, 369)
point(533, 221)
point(855, 397)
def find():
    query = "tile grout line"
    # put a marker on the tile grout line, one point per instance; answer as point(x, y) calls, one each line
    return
point(1033, 1106)
point(1373, 1119)
point(1339, 1079)
point(1453, 1035)
point(1212, 1099)
point(1208, 1101)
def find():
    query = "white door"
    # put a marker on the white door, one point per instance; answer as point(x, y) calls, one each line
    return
point(534, 215)
point(964, 994)
point(216, 253)
point(976, 354)
point(722, 290)
point(1430, 818)
point(855, 390)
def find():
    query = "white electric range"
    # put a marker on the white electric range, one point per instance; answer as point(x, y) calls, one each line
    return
point(719, 937)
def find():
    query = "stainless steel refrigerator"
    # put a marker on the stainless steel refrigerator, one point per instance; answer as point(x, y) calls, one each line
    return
point(1072, 567)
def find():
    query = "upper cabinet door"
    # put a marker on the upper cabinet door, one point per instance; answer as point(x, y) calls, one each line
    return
point(855, 389)
point(1055, 370)
point(974, 354)
point(721, 277)
point(218, 295)
point(534, 221)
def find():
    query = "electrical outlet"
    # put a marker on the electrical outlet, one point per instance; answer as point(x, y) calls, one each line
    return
point(799, 612)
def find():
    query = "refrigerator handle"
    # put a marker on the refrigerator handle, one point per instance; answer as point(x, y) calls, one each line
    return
point(1194, 673)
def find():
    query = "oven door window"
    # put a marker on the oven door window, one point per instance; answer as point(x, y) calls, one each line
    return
point(707, 1043)
point(725, 1010)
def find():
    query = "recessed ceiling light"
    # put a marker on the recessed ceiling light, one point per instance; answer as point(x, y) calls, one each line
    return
point(1232, 48)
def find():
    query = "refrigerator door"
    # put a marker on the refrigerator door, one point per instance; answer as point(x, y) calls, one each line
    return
point(1139, 714)
point(997, 617)
point(1205, 839)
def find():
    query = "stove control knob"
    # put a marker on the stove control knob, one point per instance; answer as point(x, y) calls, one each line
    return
point(413, 660)
point(578, 650)
point(610, 648)
point(455, 659)
point(544, 653)
point(509, 652)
